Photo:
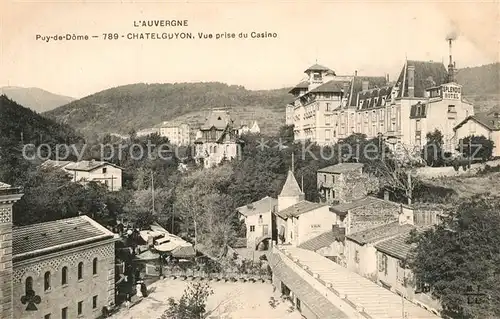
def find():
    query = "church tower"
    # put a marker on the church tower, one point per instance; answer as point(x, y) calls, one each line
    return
point(8, 196)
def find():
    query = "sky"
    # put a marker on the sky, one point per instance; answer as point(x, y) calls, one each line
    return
point(372, 37)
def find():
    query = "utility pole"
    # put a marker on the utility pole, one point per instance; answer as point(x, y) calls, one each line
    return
point(173, 216)
point(153, 191)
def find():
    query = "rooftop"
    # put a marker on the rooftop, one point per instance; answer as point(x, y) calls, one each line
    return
point(341, 168)
point(317, 67)
point(395, 247)
point(264, 205)
point(298, 209)
point(291, 187)
point(36, 239)
point(345, 207)
point(4, 186)
point(376, 234)
point(491, 123)
point(330, 86)
point(301, 85)
point(314, 300)
point(323, 240)
point(427, 75)
point(376, 301)
point(85, 166)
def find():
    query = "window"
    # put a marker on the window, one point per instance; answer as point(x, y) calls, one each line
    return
point(317, 76)
point(46, 281)
point(104, 170)
point(64, 313)
point(356, 257)
point(252, 228)
point(324, 178)
point(333, 179)
point(28, 285)
point(451, 109)
point(64, 275)
point(80, 270)
point(94, 302)
point(298, 304)
point(417, 126)
point(328, 119)
point(80, 306)
point(328, 108)
point(94, 266)
point(328, 134)
point(260, 219)
point(472, 127)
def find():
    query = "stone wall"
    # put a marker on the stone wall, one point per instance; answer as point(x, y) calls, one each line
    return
point(372, 215)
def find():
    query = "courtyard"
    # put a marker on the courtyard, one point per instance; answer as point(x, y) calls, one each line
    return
point(238, 300)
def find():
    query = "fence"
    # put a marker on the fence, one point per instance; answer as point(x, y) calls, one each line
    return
point(192, 274)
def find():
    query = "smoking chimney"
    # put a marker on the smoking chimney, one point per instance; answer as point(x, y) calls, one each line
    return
point(451, 65)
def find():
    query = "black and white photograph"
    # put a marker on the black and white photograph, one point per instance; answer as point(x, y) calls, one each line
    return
point(249, 159)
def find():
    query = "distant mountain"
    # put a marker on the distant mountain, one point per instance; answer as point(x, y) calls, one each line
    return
point(138, 106)
point(34, 98)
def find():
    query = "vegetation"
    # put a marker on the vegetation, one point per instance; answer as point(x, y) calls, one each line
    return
point(192, 304)
point(459, 259)
point(36, 99)
point(137, 106)
point(478, 148)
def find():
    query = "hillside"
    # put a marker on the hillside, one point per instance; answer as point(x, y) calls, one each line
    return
point(138, 106)
point(34, 98)
point(20, 125)
point(482, 80)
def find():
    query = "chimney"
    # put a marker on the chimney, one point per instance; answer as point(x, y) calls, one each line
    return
point(387, 78)
point(411, 81)
point(345, 89)
point(356, 73)
point(451, 65)
point(365, 86)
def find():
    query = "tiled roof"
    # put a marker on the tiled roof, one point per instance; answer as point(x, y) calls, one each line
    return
point(341, 168)
point(395, 247)
point(264, 205)
point(427, 74)
point(306, 293)
point(323, 240)
point(219, 119)
point(54, 164)
point(56, 234)
point(357, 86)
point(330, 86)
point(379, 233)
point(184, 251)
point(291, 187)
point(301, 85)
point(490, 123)
point(317, 67)
point(374, 98)
point(298, 209)
point(376, 301)
point(345, 207)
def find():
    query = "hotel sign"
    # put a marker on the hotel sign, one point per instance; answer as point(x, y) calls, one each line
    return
point(451, 92)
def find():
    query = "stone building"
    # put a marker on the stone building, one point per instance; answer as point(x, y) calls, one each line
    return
point(57, 269)
point(258, 220)
point(176, 132)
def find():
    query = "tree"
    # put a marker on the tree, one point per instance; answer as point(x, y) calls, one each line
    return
point(477, 148)
point(192, 304)
point(461, 256)
point(433, 152)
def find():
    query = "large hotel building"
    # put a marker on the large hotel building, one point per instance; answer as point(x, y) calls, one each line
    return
point(425, 97)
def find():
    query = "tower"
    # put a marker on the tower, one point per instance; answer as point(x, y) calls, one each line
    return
point(8, 196)
point(290, 194)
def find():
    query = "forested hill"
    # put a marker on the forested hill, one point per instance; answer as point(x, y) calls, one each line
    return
point(20, 125)
point(138, 106)
point(481, 80)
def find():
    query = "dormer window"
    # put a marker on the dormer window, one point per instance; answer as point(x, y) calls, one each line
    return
point(317, 76)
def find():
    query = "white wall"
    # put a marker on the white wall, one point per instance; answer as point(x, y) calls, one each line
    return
point(314, 223)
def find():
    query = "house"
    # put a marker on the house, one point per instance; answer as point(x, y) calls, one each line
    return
point(361, 255)
point(394, 274)
point(58, 269)
point(344, 182)
point(219, 140)
point(147, 131)
point(258, 220)
point(488, 127)
point(177, 133)
point(297, 219)
point(330, 244)
point(88, 171)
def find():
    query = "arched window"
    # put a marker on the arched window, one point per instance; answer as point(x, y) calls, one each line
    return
point(80, 270)
point(46, 281)
point(94, 266)
point(64, 276)
point(28, 285)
